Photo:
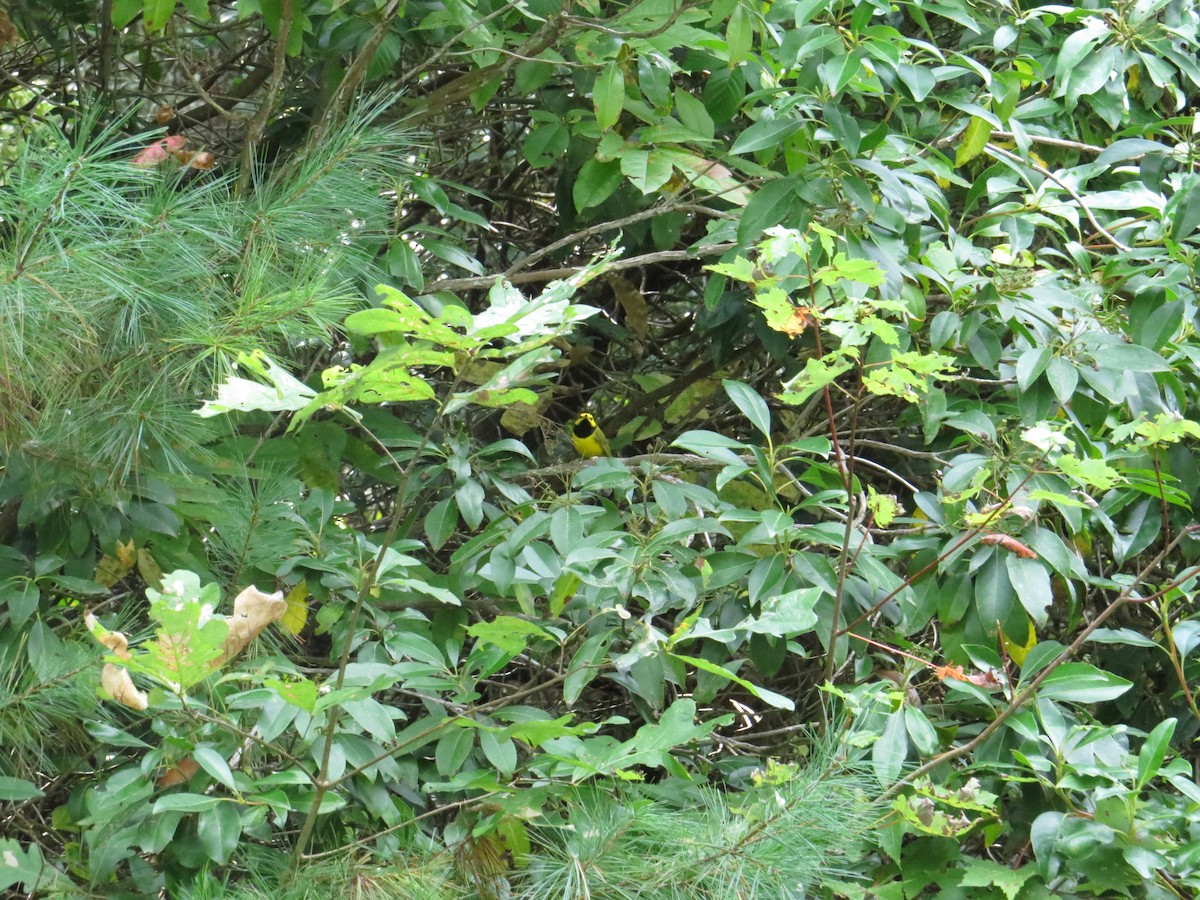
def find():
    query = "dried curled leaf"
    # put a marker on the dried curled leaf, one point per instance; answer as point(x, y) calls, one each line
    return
point(114, 679)
point(117, 684)
point(1009, 543)
point(252, 612)
point(113, 640)
point(8, 31)
point(192, 643)
point(986, 680)
point(180, 773)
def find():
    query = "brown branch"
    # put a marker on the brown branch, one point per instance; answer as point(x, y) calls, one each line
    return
point(633, 262)
point(1046, 173)
point(1027, 693)
point(258, 124)
point(355, 74)
point(463, 86)
point(601, 228)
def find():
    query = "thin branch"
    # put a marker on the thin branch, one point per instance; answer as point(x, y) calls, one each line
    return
point(633, 262)
point(603, 227)
point(1043, 171)
point(427, 65)
point(1027, 693)
point(258, 124)
point(1052, 142)
point(356, 73)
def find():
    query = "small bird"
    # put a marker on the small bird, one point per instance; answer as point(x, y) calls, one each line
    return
point(588, 437)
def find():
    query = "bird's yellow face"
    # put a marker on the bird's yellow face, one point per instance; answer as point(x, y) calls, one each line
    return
point(588, 438)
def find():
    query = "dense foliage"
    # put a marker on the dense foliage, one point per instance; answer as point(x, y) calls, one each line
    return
point(888, 311)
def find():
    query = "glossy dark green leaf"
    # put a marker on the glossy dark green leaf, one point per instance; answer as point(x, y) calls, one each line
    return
point(595, 183)
point(1154, 751)
point(770, 132)
point(1082, 683)
point(1031, 581)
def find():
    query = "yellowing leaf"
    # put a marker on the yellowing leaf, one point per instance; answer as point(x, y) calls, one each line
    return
point(296, 616)
point(975, 138)
point(1017, 652)
point(633, 304)
point(1133, 78)
point(112, 569)
point(127, 553)
point(522, 417)
point(149, 569)
point(883, 507)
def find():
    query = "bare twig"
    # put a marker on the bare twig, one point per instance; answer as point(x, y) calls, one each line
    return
point(1043, 171)
point(258, 124)
point(633, 262)
point(1025, 694)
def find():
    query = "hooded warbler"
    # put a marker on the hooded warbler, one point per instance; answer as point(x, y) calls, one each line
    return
point(588, 437)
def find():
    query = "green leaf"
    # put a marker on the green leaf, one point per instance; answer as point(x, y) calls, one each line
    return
point(1082, 683)
point(1154, 751)
point(302, 693)
point(452, 750)
point(608, 96)
point(545, 144)
point(1031, 364)
point(125, 11)
point(1130, 357)
point(919, 80)
point(693, 114)
point(752, 406)
point(891, 749)
point(774, 202)
point(508, 633)
point(994, 594)
point(499, 750)
point(646, 170)
point(536, 732)
point(185, 803)
point(456, 256)
point(215, 765)
point(20, 599)
point(739, 35)
point(1063, 378)
point(766, 132)
point(373, 717)
point(27, 867)
point(469, 496)
point(1074, 50)
point(440, 522)
point(837, 72)
point(404, 265)
point(984, 873)
point(219, 830)
point(16, 789)
point(585, 666)
point(1031, 580)
point(1092, 473)
point(974, 139)
point(1183, 210)
point(595, 183)
point(770, 697)
point(157, 14)
point(1121, 636)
